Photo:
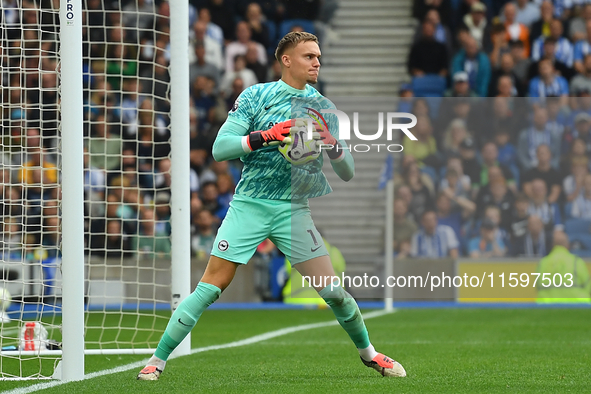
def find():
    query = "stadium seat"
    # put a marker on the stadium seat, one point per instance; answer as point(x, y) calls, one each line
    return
point(572, 227)
point(286, 26)
point(428, 86)
point(431, 87)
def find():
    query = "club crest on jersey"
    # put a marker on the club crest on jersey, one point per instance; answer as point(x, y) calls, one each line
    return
point(223, 245)
point(235, 106)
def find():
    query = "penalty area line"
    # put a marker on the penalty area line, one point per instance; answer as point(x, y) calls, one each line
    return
point(243, 342)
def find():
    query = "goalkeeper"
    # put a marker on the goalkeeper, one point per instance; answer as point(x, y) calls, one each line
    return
point(271, 201)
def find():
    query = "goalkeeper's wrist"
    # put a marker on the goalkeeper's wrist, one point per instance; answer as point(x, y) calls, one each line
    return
point(252, 141)
point(336, 153)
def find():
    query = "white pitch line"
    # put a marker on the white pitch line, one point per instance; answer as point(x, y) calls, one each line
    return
point(242, 342)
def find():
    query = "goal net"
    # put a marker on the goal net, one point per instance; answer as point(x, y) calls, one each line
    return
point(127, 180)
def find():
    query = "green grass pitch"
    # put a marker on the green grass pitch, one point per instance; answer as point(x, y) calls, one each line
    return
point(443, 350)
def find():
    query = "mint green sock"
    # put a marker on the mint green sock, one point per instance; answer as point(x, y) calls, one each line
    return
point(347, 313)
point(185, 317)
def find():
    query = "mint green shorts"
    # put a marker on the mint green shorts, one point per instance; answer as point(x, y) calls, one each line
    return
point(286, 223)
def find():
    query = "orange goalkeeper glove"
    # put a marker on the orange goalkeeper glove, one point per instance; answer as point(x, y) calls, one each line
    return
point(274, 136)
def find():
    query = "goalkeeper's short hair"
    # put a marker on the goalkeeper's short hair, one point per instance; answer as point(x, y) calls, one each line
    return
point(290, 40)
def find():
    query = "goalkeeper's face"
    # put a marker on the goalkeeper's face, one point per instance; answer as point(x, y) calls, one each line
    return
point(305, 62)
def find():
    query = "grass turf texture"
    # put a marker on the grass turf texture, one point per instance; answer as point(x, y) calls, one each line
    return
point(443, 351)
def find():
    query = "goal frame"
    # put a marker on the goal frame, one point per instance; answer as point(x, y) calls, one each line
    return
point(73, 350)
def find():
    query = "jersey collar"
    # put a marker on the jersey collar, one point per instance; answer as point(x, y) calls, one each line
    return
point(291, 89)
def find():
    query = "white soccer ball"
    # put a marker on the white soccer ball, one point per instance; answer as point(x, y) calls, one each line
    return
point(301, 150)
point(5, 299)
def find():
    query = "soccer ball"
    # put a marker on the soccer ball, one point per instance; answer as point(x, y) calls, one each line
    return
point(301, 150)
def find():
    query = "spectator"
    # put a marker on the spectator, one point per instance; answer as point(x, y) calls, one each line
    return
point(544, 171)
point(404, 193)
point(535, 241)
point(453, 136)
point(442, 32)
point(582, 81)
point(274, 73)
point(39, 162)
point(557, 118)
point(488, 244)
point(542, 26)
point(240, 71)
point(527, 12)
point(137, 17)
point(406, 98)
point(421, 196)
point(519, 217)
point(225, 185)
point(500, 44)
point(474, 62)
point(148, 243)
point(490, 156)
point(201, 67)
point(507, 89)
point(475, 22)
point(103, 145)
point(222, 14)
point(253, 63)
point(458, 194)
point(404, 229)
point(162, 212)
point(420, 9)
point(577, 28)
point(240, 46)
point(12, 239)
point(547, 83)
point(521, 65)
point(581, 206)
point(446, 216)
point(515, 30)
point(211, 202)
point(582, 131)
point(470, 163)
point(455, 163)
point(540, 207)
point(205, 102)
point(573, 183)
point(562, 9)
point(425, 146)
point(563, 49)
point(117, 244)
point(497, 194)
point(427, 56)
point(212, 30)
point(433, 240)
point(256, 22)
point(202, 234)
point(507, 152)
point(213, 49)
point(529, 140)
point(120, 63)
point(94, 187)
point(460, 87)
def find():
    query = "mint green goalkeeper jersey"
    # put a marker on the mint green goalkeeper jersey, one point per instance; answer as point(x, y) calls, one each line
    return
point(266, 174)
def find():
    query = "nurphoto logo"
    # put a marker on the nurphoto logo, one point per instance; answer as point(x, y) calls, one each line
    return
point(392, 123)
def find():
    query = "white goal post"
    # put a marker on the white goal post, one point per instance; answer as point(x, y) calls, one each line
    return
point(75, 269)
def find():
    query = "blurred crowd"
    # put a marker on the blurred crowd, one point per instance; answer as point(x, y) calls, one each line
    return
point(126, 50)
point(502, 93)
